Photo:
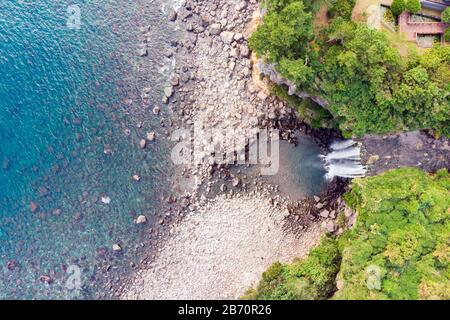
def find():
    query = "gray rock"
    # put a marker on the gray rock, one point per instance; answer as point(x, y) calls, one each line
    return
point(173, 15)
point(324, 213)
point(215, 28)
point(151, 136)
point(241, 6)
point(227, 37)
point(331, 226)
point(319, 205)
point(141, 219)
point(142, 144)
point(168, 91)
point(143, 52)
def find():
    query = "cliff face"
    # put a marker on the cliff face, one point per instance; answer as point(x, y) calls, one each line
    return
point(270, 71)
point(406, 149)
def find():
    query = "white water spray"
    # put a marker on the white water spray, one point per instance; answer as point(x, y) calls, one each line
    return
point(344, 160)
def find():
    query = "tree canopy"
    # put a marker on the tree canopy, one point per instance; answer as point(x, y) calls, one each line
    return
point(445, 16)
point(398, 6)
point(368, 86)
point(413, 6)
point(397, 249)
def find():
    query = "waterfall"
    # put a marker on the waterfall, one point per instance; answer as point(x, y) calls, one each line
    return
point(344, 160)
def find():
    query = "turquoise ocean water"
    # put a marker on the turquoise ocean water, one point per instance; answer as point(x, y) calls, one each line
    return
point(66, 95)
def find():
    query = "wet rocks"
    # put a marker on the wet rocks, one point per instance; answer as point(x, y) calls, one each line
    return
point(141, 219)
point(33, 206)
point(11, 265)
point(142, 143)
point(236, 181)
point(105, 200)
point(5, 164)
point(372, 159)
point(151, 136)
point(42, 191)
point(107, 149)
point(168, 92)
point(173, 16)
point(324, 213)
point(156, 110)
point(46, 279)
point(143, 52)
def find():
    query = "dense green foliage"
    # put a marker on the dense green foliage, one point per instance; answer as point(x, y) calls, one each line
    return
point(398, 248)
point(304, 279)
point(445, 16)
point(398, 6)
point(369, 87)
point(403, 232)
point(447, 35)
point(341, 8)
point(413, 6)
point(309, 111)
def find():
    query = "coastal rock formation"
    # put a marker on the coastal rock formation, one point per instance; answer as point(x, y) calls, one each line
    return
point(219, 93)
point(407, 149)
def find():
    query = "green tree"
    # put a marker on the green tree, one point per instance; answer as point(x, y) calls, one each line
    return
point(398, 248)
point(397, 7)
point(284, 34)
point(445, 16)
point(341, 8)
point(447, 35)
point(413, 6)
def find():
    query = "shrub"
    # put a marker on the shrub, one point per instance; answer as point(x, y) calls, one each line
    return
point(388, 16)
point(447, 35)
point(445, 16)
point(341, 8)
point(311, 278)
point(397, 7)
point(284, 34)
point(413, 6)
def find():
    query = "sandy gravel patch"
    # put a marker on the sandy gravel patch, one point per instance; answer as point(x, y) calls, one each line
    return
point(221, 250)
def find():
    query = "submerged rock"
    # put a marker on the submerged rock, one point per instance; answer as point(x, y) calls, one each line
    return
point(142, 144)
point(106, 200)
point(141, 219)
point(151, 136)
point(143, 52)
point(33, 206)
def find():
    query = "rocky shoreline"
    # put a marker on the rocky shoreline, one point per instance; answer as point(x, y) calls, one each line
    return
point(213, 88)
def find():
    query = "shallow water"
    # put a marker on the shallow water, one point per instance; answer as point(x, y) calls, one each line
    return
point(66, 95)
point(301, 171)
